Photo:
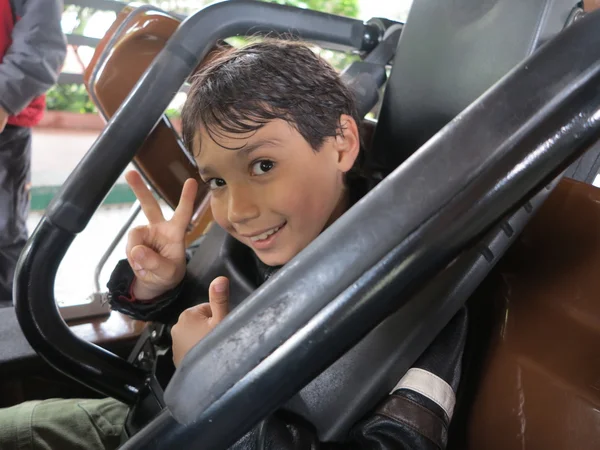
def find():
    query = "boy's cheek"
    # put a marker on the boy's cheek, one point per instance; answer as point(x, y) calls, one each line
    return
point(307, 215)
point(219, 213)
point(311, 203)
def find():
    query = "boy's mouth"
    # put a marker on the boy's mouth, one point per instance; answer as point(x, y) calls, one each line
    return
point(266, 238)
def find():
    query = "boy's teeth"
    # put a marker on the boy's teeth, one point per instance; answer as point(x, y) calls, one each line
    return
point(266, 234)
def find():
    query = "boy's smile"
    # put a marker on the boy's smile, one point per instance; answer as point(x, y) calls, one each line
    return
point(264, 239)
point(271, 190)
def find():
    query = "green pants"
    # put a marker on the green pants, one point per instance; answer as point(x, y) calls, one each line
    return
point(62, 425)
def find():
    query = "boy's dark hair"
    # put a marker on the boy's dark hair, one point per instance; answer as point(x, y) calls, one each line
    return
point(241, 90)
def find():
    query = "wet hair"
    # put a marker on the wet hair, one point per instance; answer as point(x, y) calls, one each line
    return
point(241, 90)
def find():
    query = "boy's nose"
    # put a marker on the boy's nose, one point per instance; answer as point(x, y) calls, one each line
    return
point(241, 207)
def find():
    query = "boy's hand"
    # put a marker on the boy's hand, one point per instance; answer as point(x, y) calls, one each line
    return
point(195, 322)
point(156, 252)
point(3, 118)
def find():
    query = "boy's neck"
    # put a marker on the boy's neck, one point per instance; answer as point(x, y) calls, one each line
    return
point(341, 207)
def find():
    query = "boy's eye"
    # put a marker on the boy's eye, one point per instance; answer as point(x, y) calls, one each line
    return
point(261, 167)
point(215, 183)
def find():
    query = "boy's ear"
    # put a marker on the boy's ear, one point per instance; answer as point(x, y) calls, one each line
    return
point(347, 143)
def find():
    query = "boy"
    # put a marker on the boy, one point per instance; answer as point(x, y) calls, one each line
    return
point(32, 51)
point(275, 136)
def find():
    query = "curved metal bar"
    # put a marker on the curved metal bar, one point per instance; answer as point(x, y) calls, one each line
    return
point(72, 208)
point(133, 213)
point(47, 332)
point(501, 149)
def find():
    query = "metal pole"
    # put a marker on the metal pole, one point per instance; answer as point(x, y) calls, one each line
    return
point(133, 213)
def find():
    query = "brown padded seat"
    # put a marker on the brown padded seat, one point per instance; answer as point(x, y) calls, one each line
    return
point(538, 385)
point(132, 42)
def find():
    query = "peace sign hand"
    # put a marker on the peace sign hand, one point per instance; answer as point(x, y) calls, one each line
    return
point(156, 252)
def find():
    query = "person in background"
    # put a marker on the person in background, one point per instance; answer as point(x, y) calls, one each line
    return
point(32, 51)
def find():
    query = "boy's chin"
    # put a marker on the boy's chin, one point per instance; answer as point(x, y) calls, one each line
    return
point(271, 259)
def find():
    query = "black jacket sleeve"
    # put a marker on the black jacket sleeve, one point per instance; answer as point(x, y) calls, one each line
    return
point(416, 415)
point(158, 309)
point(164, 309)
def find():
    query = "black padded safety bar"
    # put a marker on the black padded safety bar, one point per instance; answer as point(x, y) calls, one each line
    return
point(46, 331)
point(500, 150)
point(82, 193)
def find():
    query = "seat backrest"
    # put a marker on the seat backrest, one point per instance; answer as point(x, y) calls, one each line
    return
point(535, 382)
point(450, 53)
point(125, 52)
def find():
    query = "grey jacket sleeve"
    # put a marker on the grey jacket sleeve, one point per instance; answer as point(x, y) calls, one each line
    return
point(33, 61)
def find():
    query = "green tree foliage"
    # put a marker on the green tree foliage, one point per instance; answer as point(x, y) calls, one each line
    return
point(347, 8)
point(69, 97)
point(343, 7)
point(175, 6)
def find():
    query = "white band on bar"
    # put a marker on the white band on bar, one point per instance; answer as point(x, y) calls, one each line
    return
point(430, 386)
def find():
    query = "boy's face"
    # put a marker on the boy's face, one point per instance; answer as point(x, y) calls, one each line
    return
point(276, 194)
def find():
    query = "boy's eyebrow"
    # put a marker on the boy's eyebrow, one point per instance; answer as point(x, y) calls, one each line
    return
point(249, 148)
point(245, 150)
point(205, 170)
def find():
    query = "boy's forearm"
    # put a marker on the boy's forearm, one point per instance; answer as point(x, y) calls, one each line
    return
point(33, 62)
point(143, 294)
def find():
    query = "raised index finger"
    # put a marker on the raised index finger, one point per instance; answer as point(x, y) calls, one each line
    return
point(185, 209)
point(147, 201)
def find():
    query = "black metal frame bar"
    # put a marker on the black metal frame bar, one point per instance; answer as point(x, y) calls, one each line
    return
point(45, 329)
point(72, 208)
point(502, 149)
point(195, 37)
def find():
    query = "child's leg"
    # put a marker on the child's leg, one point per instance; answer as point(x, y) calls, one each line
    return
point(62, 424)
